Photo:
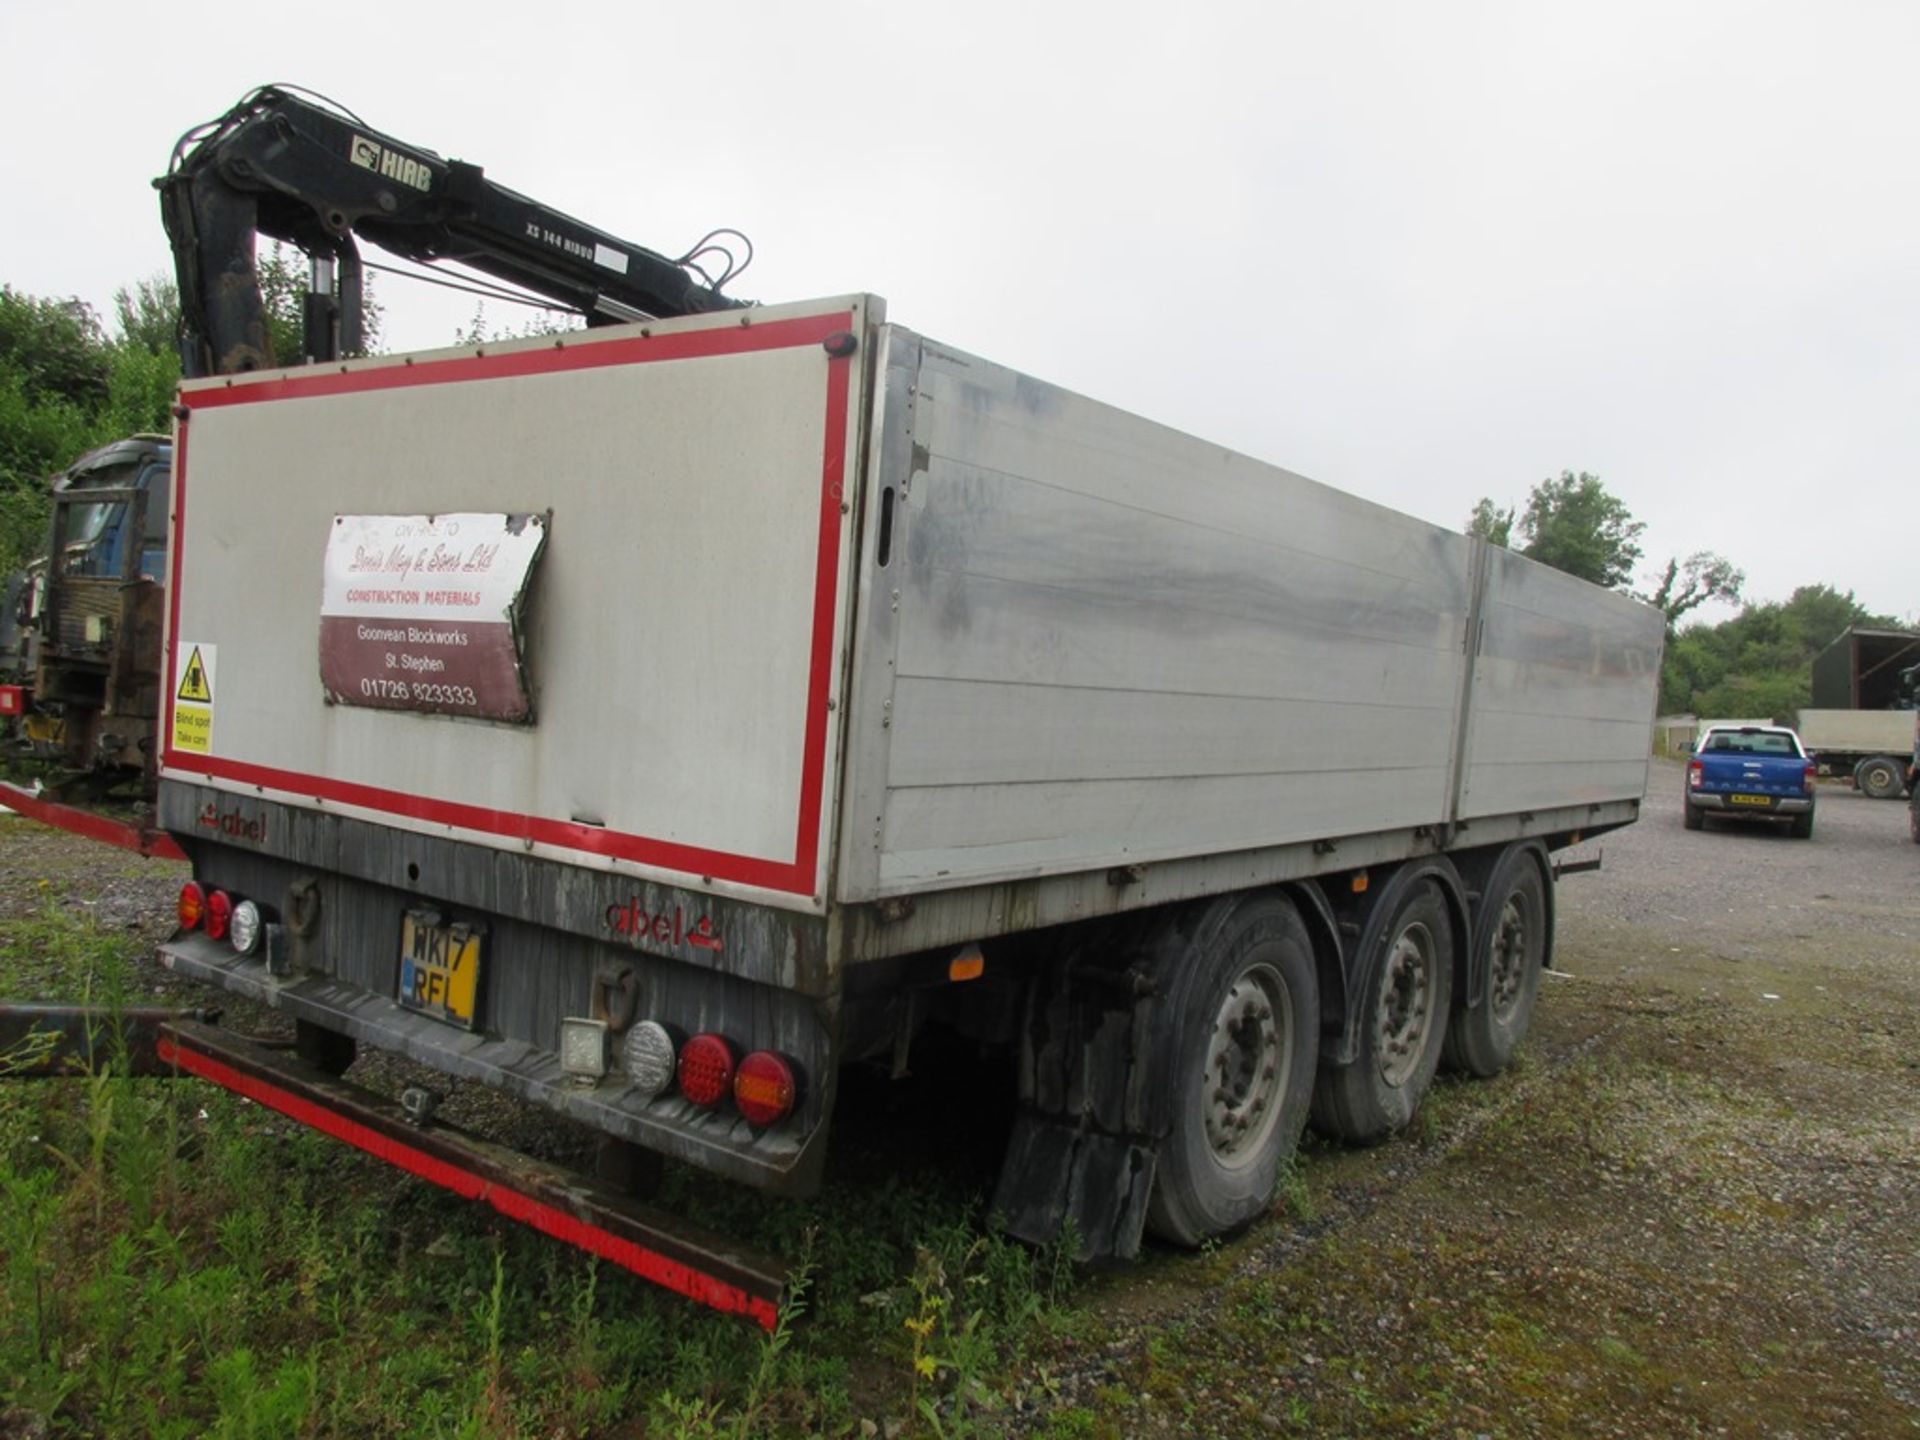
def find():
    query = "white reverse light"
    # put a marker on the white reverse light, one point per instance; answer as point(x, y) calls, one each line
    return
point(245, 927)
point(647, 1054)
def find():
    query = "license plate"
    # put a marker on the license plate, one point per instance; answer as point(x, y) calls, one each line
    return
point(439, 967)
point(1751, 799)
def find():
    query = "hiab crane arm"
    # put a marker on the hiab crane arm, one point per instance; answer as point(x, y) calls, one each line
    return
point(281, 165)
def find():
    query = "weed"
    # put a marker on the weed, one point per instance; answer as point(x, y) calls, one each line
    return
point(176, 1262)
point(1294, 1194)
point(1619, 1352)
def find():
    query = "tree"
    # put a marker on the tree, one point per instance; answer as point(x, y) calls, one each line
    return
point(57, 382)
point(67, 387)
point(148, 314)
point(55, 349)
point(1759, 663)
point(1491, 523)
point(543, 321)
point(1686, 585)
point(1574, 525)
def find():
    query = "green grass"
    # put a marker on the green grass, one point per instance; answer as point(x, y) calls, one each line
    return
point(175, 1261)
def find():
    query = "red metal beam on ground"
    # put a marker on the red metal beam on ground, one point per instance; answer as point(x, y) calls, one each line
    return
point(567, 1206)
point(140, 839)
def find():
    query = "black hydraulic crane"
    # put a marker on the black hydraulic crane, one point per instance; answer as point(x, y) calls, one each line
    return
point(293, 168)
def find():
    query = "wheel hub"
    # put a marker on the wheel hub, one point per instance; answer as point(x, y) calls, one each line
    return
point(1248, 1057)
point(1406, 1004)
point(1509, 957)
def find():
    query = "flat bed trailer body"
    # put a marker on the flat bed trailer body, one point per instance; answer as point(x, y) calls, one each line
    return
point(755, 673)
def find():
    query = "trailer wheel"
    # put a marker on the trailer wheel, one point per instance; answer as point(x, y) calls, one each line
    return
point(1481, 1041)
point(1243, 1005)
point(1403, 1023)
point(1880, 777)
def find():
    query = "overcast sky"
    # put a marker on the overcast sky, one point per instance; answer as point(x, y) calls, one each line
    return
point(1424, 252)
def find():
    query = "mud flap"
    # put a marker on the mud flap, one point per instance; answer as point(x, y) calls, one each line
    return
point(1084, 1144)
point(1058, 1170)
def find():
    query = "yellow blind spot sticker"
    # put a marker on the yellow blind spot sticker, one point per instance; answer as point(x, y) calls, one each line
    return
point(193, 684)
point(193, 701)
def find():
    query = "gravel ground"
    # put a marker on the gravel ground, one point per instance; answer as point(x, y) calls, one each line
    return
point(1691, 1208)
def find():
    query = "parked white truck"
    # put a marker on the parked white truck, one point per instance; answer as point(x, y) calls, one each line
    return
point(652, 720)
point(1872, 747)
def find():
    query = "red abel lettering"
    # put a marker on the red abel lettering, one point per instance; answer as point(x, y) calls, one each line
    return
point(232, 824)
point(662, 927)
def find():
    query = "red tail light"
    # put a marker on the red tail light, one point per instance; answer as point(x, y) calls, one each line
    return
point(706, 1070)
point(1812, 770)
point(1696, 770)
point(219, 914)
point(764, 1088)
point(193, 905)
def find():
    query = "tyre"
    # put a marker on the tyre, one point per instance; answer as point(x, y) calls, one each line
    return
point(1403, 1023)
point(1692, 816)
point(1243, 1014)
point(1511, 933)
point(1880, 776)
point(1802, 826)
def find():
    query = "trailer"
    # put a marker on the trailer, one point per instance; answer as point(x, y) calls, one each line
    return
point(652, 720)
point(1866, 668)
point(1872, 748)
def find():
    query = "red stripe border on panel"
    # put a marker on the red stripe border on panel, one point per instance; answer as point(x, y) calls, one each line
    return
point(796, 876)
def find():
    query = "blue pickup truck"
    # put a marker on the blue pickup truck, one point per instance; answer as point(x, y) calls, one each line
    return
point(1751, 772)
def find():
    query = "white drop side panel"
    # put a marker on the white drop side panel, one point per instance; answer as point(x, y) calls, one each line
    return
point(1119, 644)
point(1564, 692)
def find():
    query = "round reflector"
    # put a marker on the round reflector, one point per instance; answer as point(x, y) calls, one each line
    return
point(706, 1070)
point(763, 1088)
point(219, 914)
point(246, 927)
point(647, 1056)
point(193, 905)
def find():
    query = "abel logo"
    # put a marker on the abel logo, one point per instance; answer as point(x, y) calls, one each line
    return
point(384, 160)
point(640, 925)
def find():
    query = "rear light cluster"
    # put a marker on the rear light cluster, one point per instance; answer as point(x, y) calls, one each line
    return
point(1696, 773)
point(762, 1085)
point(241, 923)
point(1813, 773)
